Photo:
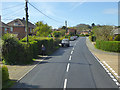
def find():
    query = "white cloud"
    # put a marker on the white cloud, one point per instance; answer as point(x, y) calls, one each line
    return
point(111, 11)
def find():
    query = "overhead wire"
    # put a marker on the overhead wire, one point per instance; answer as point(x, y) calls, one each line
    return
point(12, 6)
point(44, 13)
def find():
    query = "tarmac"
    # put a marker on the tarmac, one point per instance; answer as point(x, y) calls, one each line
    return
point(109, 59)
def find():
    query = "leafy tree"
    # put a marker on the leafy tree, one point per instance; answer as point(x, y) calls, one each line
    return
point(42, 29)
point(93, 24)
point(103, 32)
point(56, 33)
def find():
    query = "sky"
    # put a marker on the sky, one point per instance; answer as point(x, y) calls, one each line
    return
point(103, 13)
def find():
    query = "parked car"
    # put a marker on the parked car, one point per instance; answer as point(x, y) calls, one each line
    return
point(65, 42)
point(72, 38)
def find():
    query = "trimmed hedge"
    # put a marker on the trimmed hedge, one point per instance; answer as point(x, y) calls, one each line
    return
point(112, 46)
point(5, 74)
point(19, 52)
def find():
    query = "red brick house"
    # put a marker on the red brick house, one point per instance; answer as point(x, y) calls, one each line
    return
point(72, 31)
point(4, 28)
point(17, 27)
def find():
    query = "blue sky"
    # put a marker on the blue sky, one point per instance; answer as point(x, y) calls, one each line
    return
point(103, 13)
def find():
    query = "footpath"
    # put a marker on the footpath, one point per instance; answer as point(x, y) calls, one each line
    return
point(16, 72)
point(109, 59)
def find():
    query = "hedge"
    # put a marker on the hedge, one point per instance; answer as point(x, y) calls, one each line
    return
point(112, 46)
point(19, 52)
point(5, 75)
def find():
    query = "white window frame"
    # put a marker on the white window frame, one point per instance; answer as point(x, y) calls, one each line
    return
point(11, 28)
point(6, 30)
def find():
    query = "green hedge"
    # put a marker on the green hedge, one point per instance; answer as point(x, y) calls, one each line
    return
point(112, 46)
point(19, 52)
point(5, 74)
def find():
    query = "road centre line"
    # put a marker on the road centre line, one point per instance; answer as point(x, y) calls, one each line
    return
point(65, 84)
point(68, 66)
point(70, 58)
point(71, 52)
point(73, 48)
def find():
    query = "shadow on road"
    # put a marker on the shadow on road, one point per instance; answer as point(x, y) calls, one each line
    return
point(19, 85)
point(44, 62)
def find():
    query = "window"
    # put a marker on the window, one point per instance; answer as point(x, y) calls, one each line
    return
point(31, 30)
point(5, 30)
point(11, 28)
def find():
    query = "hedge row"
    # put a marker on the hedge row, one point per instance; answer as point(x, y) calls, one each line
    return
point(112, 46)
point(5, 75)
point(19, 52)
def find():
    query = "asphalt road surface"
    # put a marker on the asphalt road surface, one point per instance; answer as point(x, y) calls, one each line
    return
point(72, 67)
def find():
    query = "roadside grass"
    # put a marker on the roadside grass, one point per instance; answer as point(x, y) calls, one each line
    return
point(8, 84)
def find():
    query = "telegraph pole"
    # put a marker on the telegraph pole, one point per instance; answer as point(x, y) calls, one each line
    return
point(66, 26)
point(26, 10)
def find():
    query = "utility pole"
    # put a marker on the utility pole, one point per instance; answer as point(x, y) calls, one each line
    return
point(26, 10)
point(66, 26)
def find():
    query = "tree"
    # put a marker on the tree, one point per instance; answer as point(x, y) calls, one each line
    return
point(103, 32)
point(93, 24)
point(42, 29)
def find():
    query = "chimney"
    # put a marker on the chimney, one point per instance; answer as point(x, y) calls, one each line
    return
point(23, 18)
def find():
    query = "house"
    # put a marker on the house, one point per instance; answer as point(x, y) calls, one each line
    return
point(85, 32)
point(116, 31)
point(72, 31)
point(17, 27)
point(4, 28)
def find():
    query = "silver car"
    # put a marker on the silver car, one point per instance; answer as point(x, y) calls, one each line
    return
point(65, 42)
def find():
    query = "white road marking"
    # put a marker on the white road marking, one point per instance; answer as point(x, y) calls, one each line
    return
point(31, 69)
point(68, 66)
point(65, 84)
point(73, 48)
point(70, 58)
point(110, 74)
point(71, 52)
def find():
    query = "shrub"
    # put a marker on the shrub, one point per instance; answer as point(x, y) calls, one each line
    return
point(117, 38)
point(92, 38)
point(112, 46)
point(5, 74)
point(14, 52)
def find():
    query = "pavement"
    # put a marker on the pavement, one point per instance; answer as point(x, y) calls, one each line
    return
point(72, 67)
point(109, 59)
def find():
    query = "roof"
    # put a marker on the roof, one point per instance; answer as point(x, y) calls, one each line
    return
point(20, 23)
point(2, 24)
point(116, 31)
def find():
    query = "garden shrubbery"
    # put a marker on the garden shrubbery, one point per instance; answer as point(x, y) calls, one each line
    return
point(19, 52)
point(92, 38)
point(112, 46)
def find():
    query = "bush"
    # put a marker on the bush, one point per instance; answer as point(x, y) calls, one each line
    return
point(19, 52)
point(92, 38)
point(14, 52)
point(117, 38)
point(112, 46)
point(5, 74)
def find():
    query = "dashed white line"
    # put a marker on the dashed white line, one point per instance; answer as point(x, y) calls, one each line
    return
point(65, 84)
point(71, 52)
point(73, 48)
point(68, 66)
point(70, 58)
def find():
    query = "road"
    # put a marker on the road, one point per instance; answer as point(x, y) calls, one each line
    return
point(72, 67)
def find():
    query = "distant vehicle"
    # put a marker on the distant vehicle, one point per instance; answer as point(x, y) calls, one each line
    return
point(72, 38)
point(65, 42)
